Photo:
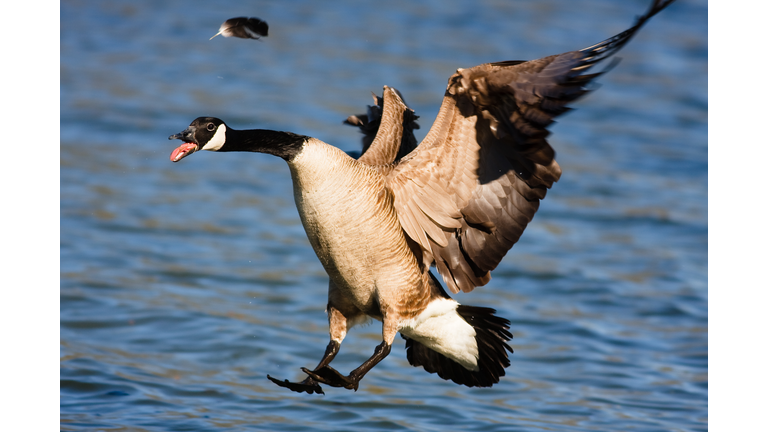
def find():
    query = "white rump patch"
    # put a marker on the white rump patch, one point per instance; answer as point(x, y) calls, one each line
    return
point(217, 140)
point(442, 329)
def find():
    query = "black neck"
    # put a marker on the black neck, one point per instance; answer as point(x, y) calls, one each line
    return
point(283, 144)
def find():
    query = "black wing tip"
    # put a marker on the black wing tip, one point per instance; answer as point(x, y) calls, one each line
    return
point(610, 46)
point(492, 336)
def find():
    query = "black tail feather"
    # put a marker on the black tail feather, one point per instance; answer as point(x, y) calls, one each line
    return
point(492, 334)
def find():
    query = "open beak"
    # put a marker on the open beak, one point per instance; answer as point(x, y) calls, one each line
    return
point(186, 149)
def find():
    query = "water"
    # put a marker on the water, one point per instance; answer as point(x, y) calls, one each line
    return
point(184, 285)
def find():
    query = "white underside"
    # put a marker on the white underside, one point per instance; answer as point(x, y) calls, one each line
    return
point(442, 329)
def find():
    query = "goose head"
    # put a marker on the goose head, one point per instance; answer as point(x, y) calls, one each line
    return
point(210, 133)
point(204, 133)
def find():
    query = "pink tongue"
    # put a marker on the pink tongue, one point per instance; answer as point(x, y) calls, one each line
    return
point(182, 151)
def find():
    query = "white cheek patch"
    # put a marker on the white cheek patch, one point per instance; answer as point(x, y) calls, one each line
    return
point(218, 140)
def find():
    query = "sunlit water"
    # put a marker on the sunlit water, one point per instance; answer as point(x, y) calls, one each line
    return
point(184, 285)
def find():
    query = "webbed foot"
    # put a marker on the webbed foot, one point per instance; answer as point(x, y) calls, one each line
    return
point(332, 377)
point(309, 385)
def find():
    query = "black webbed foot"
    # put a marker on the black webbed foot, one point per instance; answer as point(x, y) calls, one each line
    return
point(309, 385)
point(332, 377)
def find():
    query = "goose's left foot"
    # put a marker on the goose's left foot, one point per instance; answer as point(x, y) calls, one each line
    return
point(309, 385)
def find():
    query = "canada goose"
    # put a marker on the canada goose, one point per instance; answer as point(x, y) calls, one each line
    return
point(458, 201)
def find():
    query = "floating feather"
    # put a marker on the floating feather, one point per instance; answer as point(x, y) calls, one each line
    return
point(243, 27)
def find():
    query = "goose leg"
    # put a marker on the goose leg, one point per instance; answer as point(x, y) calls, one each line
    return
point(332, 377)
point(339, 325)
point(309, 385)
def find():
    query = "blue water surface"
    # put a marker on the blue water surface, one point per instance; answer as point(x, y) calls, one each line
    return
point(184, 285)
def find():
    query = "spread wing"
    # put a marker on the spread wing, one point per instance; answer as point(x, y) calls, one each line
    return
point(467, 192)
point(395, 122)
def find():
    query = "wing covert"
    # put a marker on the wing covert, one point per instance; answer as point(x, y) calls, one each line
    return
point(467, 192)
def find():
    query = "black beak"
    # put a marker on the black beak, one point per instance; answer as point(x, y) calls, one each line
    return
point(187, 135)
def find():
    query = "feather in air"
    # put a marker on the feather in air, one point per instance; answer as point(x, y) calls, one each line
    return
point(243, 27)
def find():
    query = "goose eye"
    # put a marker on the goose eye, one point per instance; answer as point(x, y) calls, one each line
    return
point(211, 127)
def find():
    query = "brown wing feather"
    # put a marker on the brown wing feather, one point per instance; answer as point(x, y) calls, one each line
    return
point(387, 128)
point(467, 192)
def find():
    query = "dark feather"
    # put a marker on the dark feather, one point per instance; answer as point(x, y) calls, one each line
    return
point(492, 334)
point(243, 27)
point(370, 123)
